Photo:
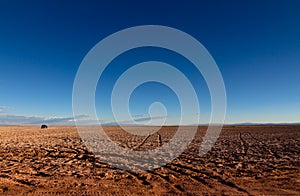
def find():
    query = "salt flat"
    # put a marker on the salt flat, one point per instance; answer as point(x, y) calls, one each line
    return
point(245, 160)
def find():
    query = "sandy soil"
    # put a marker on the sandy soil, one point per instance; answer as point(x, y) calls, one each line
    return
point(245, 161)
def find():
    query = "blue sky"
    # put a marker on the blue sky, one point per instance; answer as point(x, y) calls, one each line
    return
point(256, 45)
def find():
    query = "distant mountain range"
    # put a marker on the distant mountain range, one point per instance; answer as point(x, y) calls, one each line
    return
point(265, 124)
point(205, 124)
point(252, 124)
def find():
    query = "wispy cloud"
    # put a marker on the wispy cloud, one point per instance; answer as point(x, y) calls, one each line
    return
point(6, 119)
point(145, 119)
point(4, 109)
point(138, 121)
point(138, 115)
point(13, 119)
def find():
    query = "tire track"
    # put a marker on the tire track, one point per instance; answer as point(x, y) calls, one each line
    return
point(216, 177)
point(159, 142)
point(182, 172)
point(139, 145)
point(139, 178)
point(265, 145)
point(243, 144)
point(24, 182)
point(166, 180)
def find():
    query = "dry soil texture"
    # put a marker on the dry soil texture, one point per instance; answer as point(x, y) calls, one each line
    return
point(244, 161)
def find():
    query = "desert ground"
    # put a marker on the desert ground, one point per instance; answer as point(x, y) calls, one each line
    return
point(246, 160)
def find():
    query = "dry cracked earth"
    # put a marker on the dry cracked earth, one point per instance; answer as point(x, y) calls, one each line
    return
point(253, 160)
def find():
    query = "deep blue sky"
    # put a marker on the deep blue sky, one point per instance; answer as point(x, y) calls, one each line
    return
point(256, 45)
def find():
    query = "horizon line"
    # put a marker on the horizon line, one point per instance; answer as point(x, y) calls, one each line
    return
point(201, 124)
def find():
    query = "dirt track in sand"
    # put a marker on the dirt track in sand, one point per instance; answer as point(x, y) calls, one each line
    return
point(244, 161)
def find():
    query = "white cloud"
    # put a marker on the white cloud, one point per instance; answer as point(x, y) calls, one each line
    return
point(140, 120)
point(3, 109)
point(12, 119)
point(6, 119)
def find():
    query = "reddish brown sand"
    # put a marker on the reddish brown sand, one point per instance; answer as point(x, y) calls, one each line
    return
point(244, 161)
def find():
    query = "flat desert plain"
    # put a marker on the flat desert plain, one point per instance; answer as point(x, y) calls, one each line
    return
point(245, 160)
